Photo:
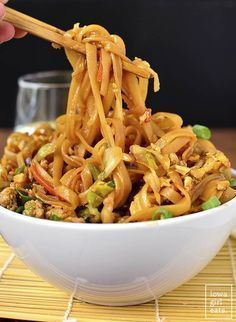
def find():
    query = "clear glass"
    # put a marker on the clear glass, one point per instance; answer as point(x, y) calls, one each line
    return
point(41, 97)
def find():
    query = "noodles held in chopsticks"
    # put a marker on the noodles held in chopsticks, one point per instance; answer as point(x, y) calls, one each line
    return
point(109, 159)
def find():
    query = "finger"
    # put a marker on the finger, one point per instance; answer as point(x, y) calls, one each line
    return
point(19, 33)
point(4, 1)
point(2, 10)
point(7, 31)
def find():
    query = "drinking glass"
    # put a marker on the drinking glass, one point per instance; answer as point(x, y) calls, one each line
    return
point(41, 98)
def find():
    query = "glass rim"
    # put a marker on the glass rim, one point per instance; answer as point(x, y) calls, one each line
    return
point(27, 81)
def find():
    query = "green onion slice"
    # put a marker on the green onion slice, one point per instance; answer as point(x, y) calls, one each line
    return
point(94, 199)
point(212, 202)
point(150, 160)
point(111, 184)
point(23, 195)
point(94, 170)
point(54, 217)
point(202, 132)
point(164, 214)
point(19, 170)
point(44, 151)
point(232, 183)
point(20, 209)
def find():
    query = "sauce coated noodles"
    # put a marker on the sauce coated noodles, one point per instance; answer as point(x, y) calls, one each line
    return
point(109, 160)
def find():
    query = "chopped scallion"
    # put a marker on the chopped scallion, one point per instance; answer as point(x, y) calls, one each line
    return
point(94, 170)
point(19, 170)
point(164, 214)
point(232, 183)
point(202, 132)
point(212, 202)
point(45, 151)
point(54, 217)
point(23, 195)
point(94, 199)
point(150, 160)
point(111, 184)
point(103, 188)
point(20, 209)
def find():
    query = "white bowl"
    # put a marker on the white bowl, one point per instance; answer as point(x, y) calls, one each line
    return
point(119, 264)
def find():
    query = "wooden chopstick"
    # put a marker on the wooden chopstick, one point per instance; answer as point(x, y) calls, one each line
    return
point(41, 29)
point(48, 32)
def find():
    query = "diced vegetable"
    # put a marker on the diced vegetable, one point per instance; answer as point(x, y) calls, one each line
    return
point(155, 216)
point(84, 212)
point(111, 184)
point(98, 191)
point(233, 183)
point(212, 202)
point(150, 160)
point(144, 156)
point(103, 188)
point(45, 151)
point(95, 215)
point(164, 214)
point(90, 214)
point(54, 217)
point(94, 170)
point(94, 199)
point(202, 132)
point(19, 170)
point(20, 209)
point(93, 211)
point(23, 195)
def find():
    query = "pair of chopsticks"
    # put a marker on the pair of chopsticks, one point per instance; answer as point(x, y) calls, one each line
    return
point(48, 32)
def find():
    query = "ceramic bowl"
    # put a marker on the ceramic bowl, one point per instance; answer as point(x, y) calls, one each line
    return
point(119, 264)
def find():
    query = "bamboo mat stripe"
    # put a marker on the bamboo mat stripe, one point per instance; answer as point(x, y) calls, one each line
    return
point(232, 260)
point(6, 264)
point(211, 295)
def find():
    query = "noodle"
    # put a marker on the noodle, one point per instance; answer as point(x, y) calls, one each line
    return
point(109, 159)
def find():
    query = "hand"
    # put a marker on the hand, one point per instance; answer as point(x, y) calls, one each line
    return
point(8, 31)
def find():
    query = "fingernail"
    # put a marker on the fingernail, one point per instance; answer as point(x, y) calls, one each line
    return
point(4, 1)
point(2, 10)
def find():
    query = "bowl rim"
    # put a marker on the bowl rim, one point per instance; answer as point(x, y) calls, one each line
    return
point(118, 226)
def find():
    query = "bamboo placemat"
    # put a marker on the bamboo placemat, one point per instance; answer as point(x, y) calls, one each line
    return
point(210, 295)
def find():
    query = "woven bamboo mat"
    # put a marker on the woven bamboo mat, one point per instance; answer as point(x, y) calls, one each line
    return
point(210, 295)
